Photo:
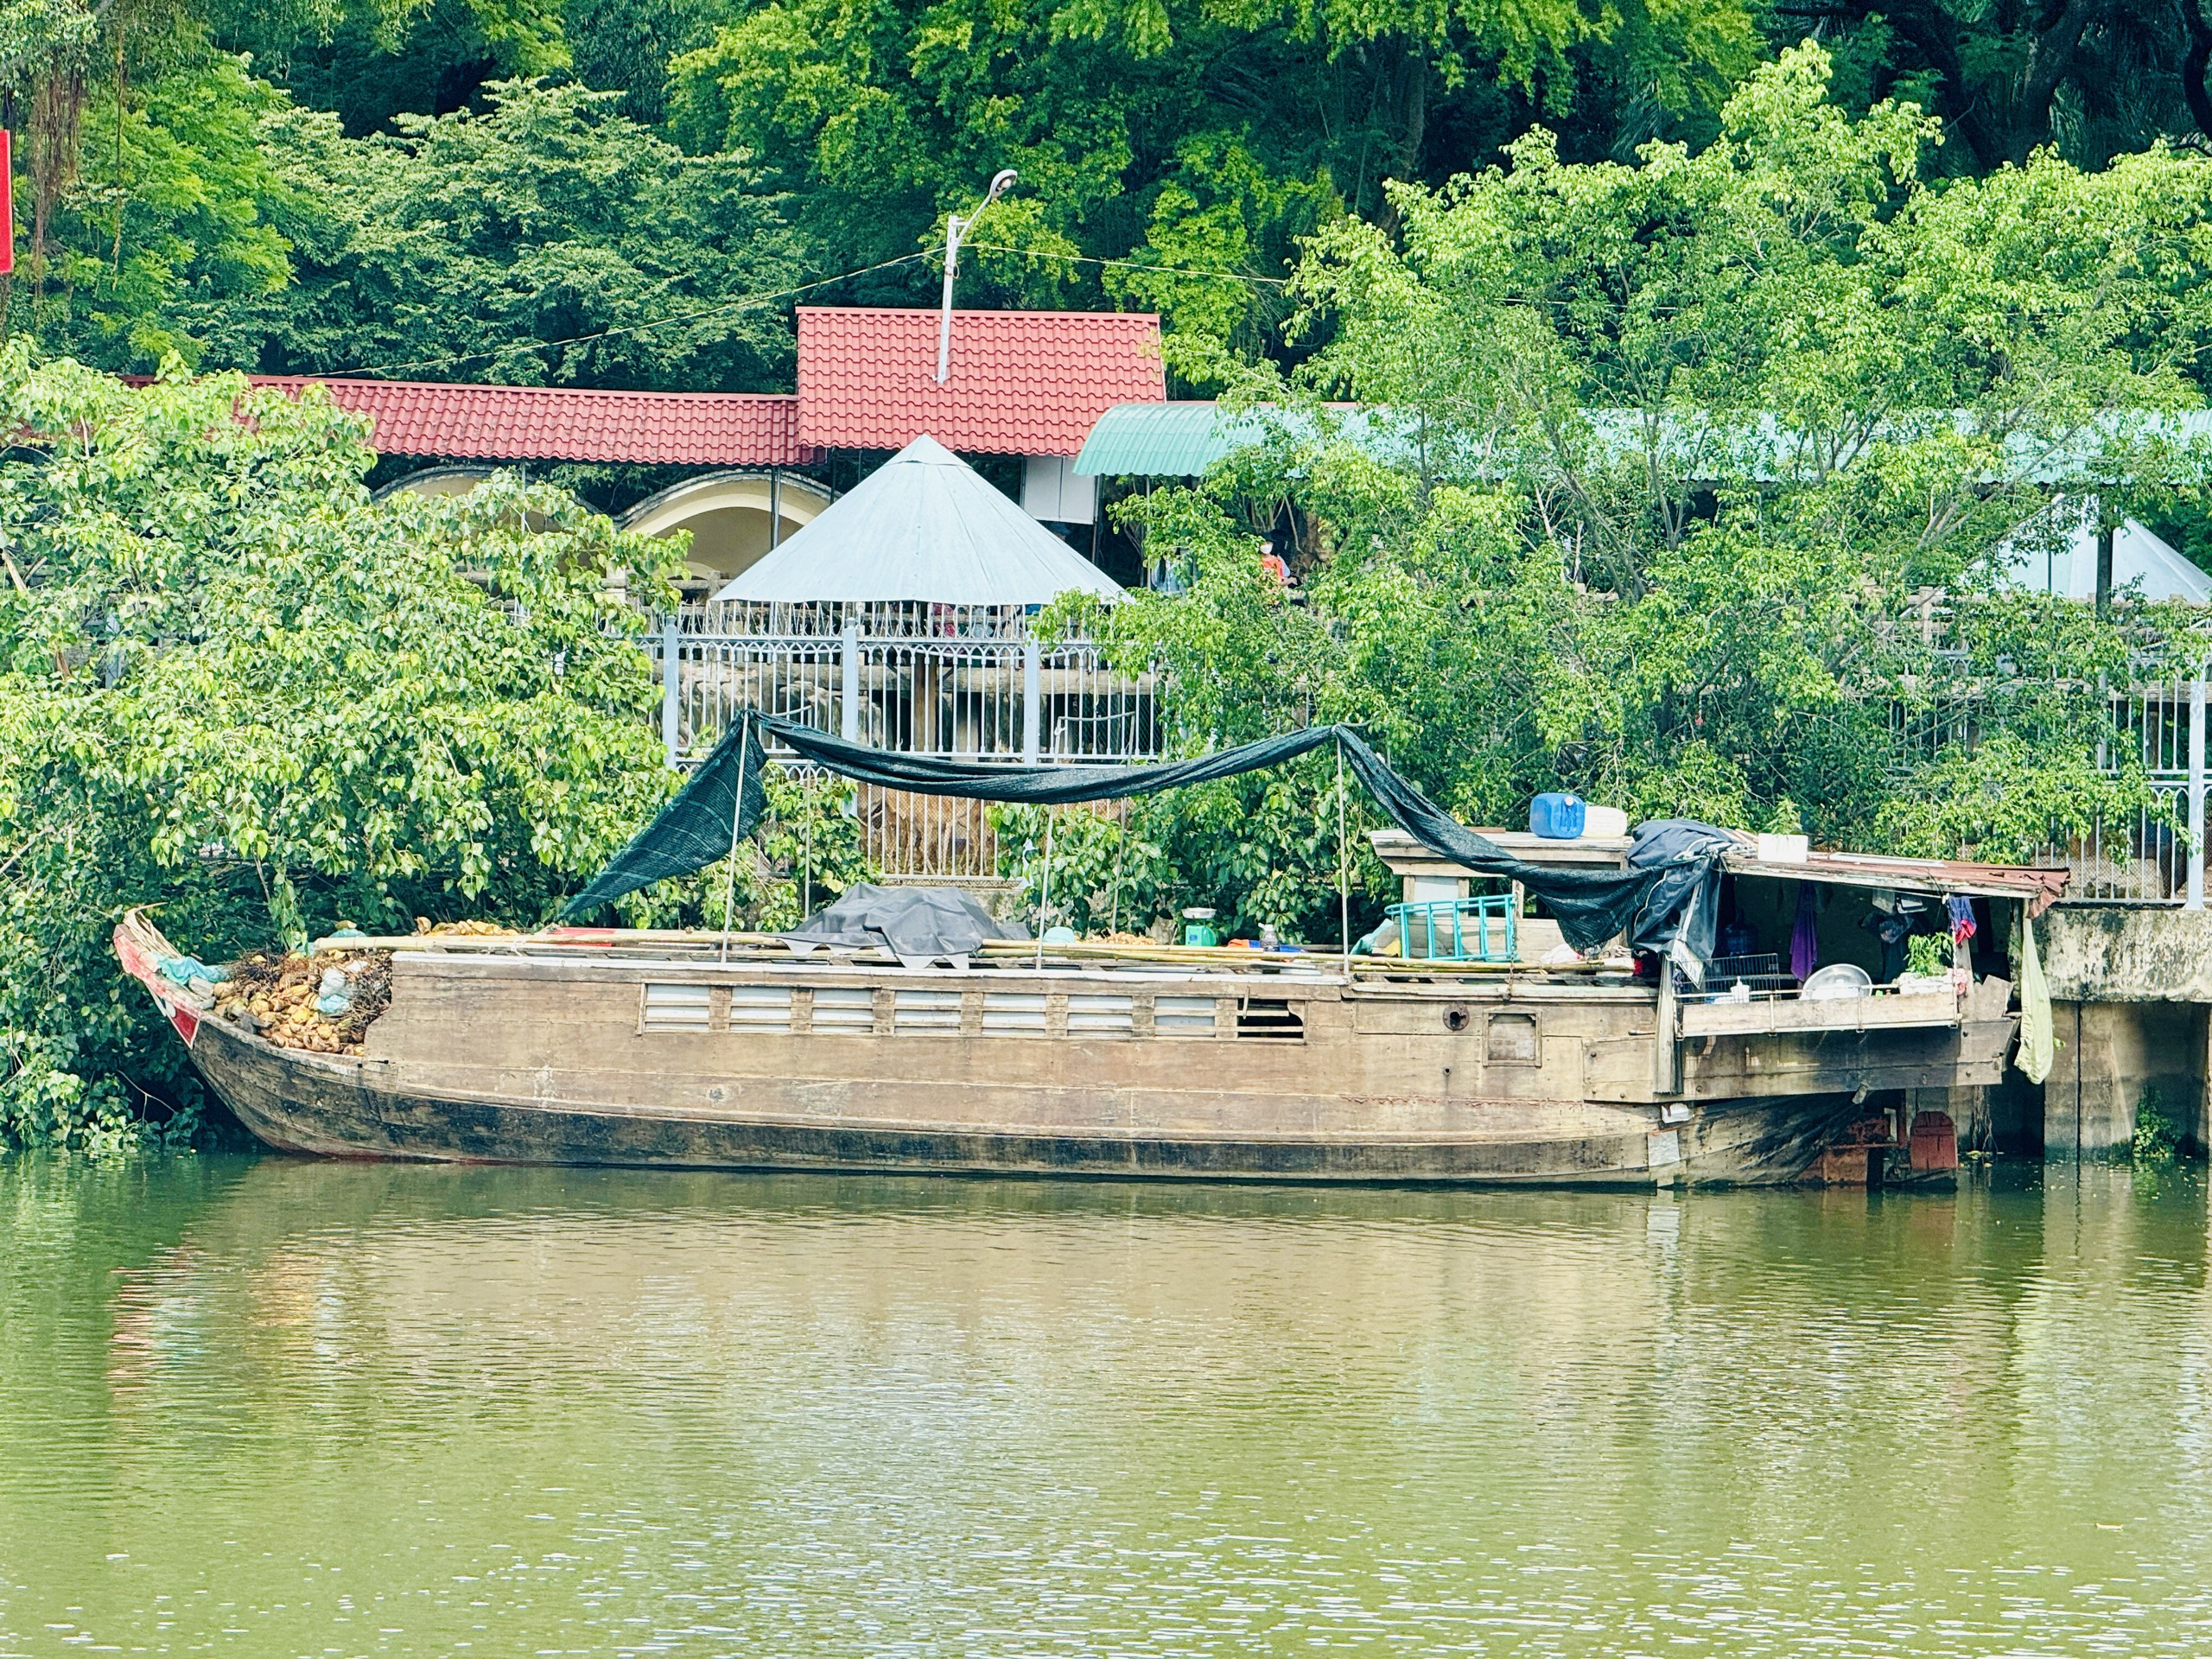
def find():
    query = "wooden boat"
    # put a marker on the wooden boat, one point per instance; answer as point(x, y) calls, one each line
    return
point(587, 1046)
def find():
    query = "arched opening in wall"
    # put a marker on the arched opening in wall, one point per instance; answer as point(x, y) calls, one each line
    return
point(455, 478)
point(729, 516)
point(458, 479)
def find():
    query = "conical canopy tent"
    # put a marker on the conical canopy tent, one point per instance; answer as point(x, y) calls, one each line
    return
point(923, 527)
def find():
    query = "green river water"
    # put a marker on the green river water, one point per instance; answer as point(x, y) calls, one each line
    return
point(269, 1407)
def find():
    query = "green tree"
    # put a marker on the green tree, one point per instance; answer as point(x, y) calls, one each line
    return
point(1669, 460)
point(1166, 134)
point(371, 62)
point(626, 46)
point(233, 687)
point(166, 239)
point(2097, 78)
point(453, 249)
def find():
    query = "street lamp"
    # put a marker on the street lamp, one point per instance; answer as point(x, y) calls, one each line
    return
point(1001, 181)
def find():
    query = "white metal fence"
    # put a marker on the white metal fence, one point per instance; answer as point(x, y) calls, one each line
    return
point(1017, 701)
point(2156, 857)
point(965, 686)
point(969, 683)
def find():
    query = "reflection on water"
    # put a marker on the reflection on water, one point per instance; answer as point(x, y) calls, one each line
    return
point(272, 1407)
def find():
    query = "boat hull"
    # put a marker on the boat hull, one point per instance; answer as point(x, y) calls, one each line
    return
point(335, 1107)
point(565, 1059)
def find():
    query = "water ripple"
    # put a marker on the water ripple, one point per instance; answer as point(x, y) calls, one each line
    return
point(279, 1407)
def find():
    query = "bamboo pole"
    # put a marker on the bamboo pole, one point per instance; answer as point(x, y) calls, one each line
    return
point(1343, 865)
point(668, 940)
point(736, 818)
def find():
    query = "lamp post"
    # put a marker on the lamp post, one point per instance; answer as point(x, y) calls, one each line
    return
point(1001, 181)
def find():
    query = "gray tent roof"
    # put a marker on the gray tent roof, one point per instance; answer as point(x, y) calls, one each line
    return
point(2059, 556)
point(923, 526)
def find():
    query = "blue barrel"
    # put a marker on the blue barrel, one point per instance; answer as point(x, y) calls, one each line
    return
point(1556, 816)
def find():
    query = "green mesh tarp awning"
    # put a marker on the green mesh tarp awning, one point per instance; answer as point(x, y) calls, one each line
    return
point(695, 829)
point(701, 825)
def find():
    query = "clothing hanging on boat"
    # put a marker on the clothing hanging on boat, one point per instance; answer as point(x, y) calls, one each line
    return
point(2038, 1043)
point(1805, 936)
point(1664, 897)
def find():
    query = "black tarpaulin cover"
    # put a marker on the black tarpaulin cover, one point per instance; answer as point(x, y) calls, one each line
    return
point(915, 923)
point(1591, 905)
point(1682, 913)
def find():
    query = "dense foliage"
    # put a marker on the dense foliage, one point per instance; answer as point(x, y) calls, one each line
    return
point(335, 184)
point(452, 248)
point(234, 688)
point(1677, 456)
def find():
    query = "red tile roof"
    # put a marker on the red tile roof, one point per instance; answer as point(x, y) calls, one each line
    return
point(684, 428)
point(1023, 382)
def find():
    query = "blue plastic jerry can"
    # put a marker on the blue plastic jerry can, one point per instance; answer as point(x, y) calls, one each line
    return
point(1556, 816)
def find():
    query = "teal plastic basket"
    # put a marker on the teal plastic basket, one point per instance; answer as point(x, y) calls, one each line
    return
point(1457, 930)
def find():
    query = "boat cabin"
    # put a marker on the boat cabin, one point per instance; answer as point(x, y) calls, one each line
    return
point(1806, 941)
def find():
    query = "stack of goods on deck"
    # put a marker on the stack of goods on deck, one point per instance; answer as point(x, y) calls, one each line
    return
point(323, 1004)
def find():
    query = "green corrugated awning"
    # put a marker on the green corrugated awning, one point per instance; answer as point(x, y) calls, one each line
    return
point(1183, 440)
point(1186, 439)
point(1177, 440)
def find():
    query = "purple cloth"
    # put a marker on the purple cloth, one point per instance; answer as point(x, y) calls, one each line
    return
point(1804, 938)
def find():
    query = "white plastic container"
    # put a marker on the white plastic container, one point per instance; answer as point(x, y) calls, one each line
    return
point(1784, 850)
point(1603, 821)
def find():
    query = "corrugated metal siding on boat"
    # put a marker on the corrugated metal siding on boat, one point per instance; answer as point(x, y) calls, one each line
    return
point(1101, 1016)
point(844, 1009)
point(759, 1008)
point(1013, 1013)
point(677, 1007)
point(925, 1011)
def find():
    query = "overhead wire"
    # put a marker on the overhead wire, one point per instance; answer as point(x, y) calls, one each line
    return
point(1126, 264)
point(747, 303)
point(752, 302)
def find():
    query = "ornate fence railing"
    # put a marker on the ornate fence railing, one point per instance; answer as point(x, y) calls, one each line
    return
point(978, 688)
point(2156, 856)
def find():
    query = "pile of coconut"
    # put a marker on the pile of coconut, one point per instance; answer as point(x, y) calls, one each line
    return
point(323, 1004)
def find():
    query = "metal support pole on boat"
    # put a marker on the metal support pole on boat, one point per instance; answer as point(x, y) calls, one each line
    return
point(1045, 889)
point(2195, 899)
point(671, 688)
point(849, 717)
point(736, 818)
point(1344, 866)
point(1666, 1032)
point(806, 893)
point(1033, 682)
point(1121, 847)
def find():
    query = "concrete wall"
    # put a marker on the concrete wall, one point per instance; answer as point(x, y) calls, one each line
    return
point(2110, 954)
point(2130, 990)
point(2109, 1054)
